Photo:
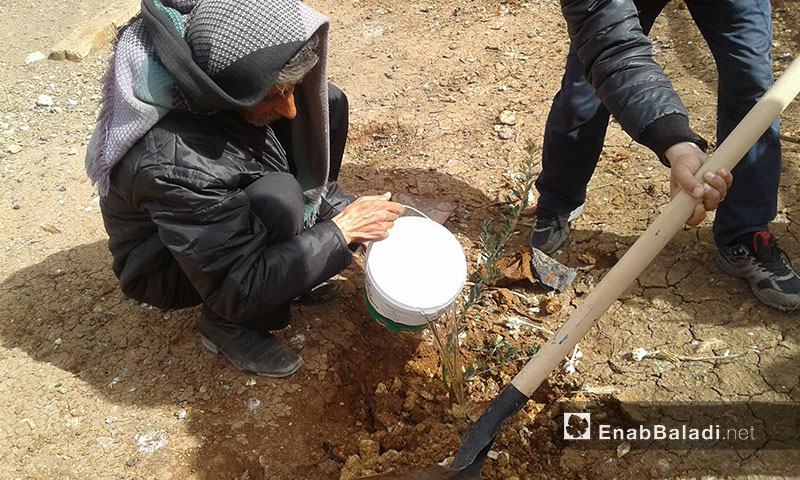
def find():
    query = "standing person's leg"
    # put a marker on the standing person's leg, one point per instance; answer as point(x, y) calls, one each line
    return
point(277, 200)
point(573, 140)
point(739, 34)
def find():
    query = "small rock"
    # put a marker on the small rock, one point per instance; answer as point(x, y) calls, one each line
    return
point(508, 118)
point(410, 402)
point(14, 149)
point(552, 305)
point(251, 382)
point(34, 57)
point(44, 101)
point(352, 468)
point(369, 451)
point(622, 449)
point(72, 151)
point(131, 462)
point(187, 394)
point(381, 389)
point(72, 102)
point(14, 205)
point(389, 457)
point(506, 133)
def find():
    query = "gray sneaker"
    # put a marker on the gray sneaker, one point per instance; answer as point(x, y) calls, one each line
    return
point(250, 351)
point(762, 263)
point(551, 230)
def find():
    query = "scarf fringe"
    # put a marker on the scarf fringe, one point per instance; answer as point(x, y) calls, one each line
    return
point(97, 165)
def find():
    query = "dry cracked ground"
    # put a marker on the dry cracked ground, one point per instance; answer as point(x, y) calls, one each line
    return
point(95, 385)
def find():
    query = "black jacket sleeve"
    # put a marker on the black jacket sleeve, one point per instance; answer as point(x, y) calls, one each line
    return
point(618, 62)
point(220, 244)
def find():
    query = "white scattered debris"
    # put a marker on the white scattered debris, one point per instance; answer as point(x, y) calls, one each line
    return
point(750, 334)
point(44, 101)
point(493, 455)
point(14, 149)
point(182, 414)
point(708, 346)
point(150, 439)
point(24, 128)
point(105, 442)
point(623, 448)
point(298, 339)
point(72, 102)
point(114, 382)
point(88, 209)
point(110, 420)
point(639, 354)
point(34, 57)
point(572, 361)
point(58, 341)
point(253, 404)
point(514, 323)
point(250, 383)
point(600, 390)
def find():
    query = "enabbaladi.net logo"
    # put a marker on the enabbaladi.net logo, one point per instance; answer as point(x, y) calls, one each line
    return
point(683, 426)
point(578, 426)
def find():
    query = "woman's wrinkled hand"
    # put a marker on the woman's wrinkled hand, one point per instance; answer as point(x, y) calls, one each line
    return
point(368, 218)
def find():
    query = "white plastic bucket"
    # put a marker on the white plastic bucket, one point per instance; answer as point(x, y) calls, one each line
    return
point(414, 275)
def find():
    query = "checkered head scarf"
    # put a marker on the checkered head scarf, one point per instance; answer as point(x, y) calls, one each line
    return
point(212, 55)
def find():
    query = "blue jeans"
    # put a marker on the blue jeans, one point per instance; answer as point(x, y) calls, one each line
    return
point(739, 35)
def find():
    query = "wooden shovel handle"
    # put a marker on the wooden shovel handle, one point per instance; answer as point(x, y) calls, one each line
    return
point(639, 256)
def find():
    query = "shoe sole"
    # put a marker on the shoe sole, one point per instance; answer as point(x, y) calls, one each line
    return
point(210, 345)
point(726, 267)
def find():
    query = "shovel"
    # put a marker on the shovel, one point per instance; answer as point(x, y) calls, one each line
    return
point(478, 440)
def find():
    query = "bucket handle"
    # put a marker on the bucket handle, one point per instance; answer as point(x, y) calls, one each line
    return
point(417, 211)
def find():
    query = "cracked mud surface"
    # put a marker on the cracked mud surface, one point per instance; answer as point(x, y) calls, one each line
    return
point(98, 386)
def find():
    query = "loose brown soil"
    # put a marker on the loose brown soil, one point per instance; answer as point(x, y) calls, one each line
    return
point(98, 386)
